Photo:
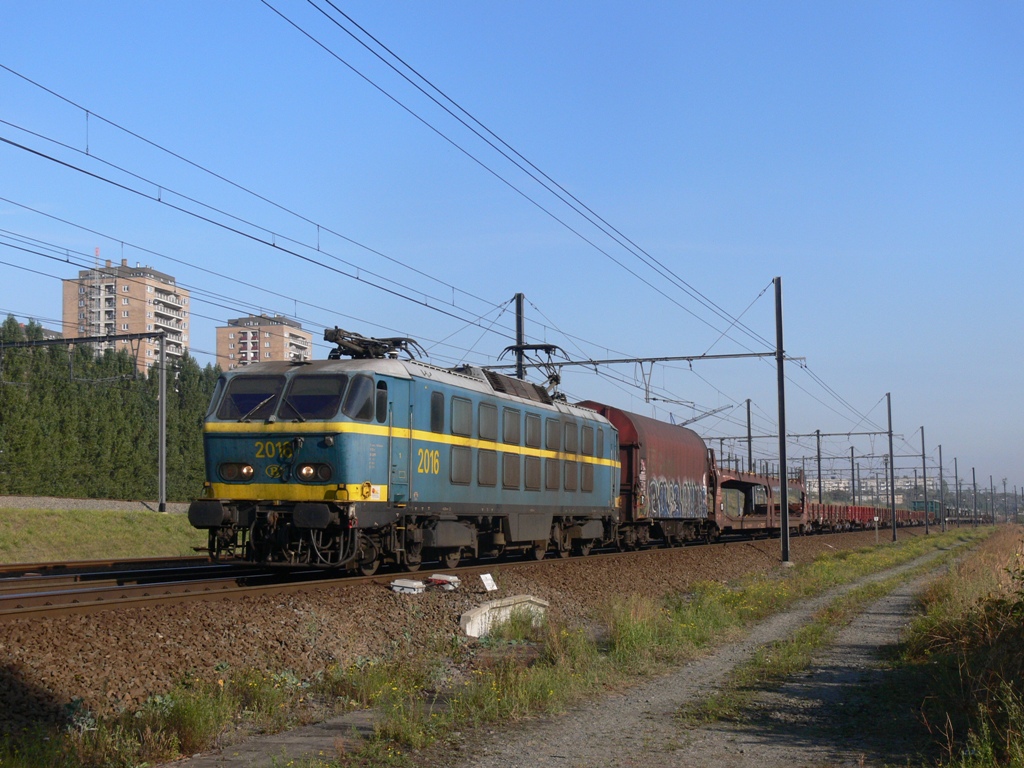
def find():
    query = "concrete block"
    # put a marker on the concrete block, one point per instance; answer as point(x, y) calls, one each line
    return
point(476, 622)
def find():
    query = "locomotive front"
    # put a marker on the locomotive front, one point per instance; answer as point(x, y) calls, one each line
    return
point(297, 462)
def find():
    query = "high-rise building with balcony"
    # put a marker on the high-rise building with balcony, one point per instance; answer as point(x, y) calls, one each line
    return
point(110, 300)
point(259, 338)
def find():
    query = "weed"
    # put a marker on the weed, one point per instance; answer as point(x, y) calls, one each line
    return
point(968, 641)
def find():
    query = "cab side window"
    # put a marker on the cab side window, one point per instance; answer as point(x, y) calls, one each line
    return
point(437, 412)
point(359, 399)
point(382, 402)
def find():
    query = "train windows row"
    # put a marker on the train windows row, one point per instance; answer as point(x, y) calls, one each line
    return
point(518, 472)
point(316, 397)
point(562, 435)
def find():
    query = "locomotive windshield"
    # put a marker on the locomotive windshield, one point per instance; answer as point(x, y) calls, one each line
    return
point(250, 397)
point(305, 397)
point(313, 397)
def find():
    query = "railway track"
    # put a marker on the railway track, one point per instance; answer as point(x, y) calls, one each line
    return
point(85, 567)
point(52, 590)
point(85, 587)
point(34, 590)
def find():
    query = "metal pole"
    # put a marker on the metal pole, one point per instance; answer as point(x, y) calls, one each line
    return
point(1006, 511)
point(991, 499)
point(162, 460)
point(817, 434)
point(892, 470)
point(750, 442)
point(942, 493)
point(860, 483)
point(924, 479)
point(1016, 508)
point(974, 482)
point(884, 488)
point(956, 473)
point(520, 338)
point(853, 481)
point(783, 468)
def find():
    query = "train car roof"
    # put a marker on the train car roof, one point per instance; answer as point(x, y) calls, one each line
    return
point(635, 428)
point(480, 380)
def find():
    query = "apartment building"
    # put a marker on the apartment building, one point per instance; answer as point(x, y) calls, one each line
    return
point(259, 338)
point(121, 299)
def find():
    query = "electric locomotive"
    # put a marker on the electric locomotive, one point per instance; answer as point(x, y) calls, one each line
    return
point(351, 463)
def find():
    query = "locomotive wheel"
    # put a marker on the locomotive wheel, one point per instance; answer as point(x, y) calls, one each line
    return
point(451, 558)
point(413, 554)
point(564, 552)
point(369, 556)
point(536, 552)
point(369, 567)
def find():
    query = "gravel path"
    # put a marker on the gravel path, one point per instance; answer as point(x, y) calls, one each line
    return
point(822, 716)
point(641, 726)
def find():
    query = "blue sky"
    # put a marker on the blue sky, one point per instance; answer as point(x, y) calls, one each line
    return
point(870, 154)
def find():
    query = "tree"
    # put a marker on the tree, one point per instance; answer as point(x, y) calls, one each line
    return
point(73, 423)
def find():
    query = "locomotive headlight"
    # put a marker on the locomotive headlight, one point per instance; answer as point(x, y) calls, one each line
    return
point(308, 473)
point(232, 472)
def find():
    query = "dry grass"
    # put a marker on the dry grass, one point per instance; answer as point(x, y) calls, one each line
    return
point(970, 641)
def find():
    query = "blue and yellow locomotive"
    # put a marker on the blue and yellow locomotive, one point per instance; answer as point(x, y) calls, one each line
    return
point(375, 459)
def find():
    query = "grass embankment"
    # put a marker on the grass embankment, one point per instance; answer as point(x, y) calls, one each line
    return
point(967, 647)
point(43, 535)
point(633, 636)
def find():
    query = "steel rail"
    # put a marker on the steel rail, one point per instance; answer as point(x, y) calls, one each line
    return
point(93, 598)
point(85, 566)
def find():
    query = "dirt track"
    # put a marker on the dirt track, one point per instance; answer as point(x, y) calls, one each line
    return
point(803, 724)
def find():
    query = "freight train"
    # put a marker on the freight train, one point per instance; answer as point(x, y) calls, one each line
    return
point(354, 463)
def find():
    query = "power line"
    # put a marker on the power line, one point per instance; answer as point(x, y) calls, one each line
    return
point(251, 236)
point(160, 199)
point(319, 226)
point(487, 168)
point(274, 235)
point(547, 182)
